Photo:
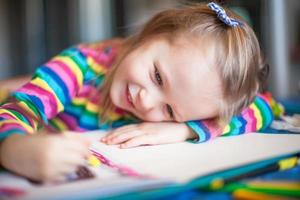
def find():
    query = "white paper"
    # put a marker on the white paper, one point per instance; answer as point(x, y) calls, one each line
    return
point(182, 162)
point(170, 163)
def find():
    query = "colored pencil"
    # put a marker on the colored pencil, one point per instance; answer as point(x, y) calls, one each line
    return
point(283, 164)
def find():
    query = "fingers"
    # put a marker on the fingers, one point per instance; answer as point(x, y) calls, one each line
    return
point(118, 131)
point(74, 153)
point(68, 167)
point(132, 136)
point(52, 156)
point(138, 141)
point(78, 144)
point(58, 171)
point(74, 159)
point(66, 173)
point(122, 137)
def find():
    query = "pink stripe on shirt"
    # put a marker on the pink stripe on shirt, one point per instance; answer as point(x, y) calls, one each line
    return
point(48, 99)
point(213, 127)
point(7, 116)
point(248, 114)
point(68, 120)
point(63, 71)
point(17, 108)
point(12, 125)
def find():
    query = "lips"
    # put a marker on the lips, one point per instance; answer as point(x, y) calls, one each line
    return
point(129, 97)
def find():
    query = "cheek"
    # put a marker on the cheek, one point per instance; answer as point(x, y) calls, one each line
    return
point(134, 73)
point(210, 111)
point(126, 70)
point(200, 110)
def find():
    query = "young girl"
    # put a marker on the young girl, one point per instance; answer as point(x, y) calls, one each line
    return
point(184, 76)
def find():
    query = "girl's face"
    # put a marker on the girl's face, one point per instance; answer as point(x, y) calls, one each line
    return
point(164, 81)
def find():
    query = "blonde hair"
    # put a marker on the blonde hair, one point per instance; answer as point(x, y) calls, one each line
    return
point(238, 60)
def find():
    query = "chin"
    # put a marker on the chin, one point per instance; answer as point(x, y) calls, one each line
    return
point(116, 99)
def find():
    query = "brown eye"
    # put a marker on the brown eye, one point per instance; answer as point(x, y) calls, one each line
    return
point(170, 111)
point(157, 76)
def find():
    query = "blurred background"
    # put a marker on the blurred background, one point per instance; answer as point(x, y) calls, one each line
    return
point(32, 31)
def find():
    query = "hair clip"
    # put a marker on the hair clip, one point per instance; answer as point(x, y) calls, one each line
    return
point(221, 14)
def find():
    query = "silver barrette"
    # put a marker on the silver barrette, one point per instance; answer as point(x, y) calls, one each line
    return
point(221, 14)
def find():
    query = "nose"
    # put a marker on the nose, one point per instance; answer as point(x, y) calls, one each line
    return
point(146, 101)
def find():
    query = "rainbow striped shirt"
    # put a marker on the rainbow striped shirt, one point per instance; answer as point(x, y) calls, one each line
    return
point(63, 94)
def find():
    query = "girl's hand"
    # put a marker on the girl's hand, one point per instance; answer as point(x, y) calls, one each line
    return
point(149, 133)
point(44, 157)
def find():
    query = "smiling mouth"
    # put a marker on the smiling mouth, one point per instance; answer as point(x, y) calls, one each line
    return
point(129, 97)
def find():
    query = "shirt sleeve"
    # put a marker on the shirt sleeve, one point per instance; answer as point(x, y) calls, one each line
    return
point(256, 117)
point(52, 86)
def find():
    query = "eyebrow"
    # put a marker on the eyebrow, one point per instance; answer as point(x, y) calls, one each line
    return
point(166, 82)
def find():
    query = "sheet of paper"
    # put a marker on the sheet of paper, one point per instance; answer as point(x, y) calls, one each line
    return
point(167, 164)
point(182, 162)
point(107, 182)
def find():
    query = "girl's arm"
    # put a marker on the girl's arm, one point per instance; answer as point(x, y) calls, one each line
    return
point(256, 117)
point(47, 157)
point(53, 86)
